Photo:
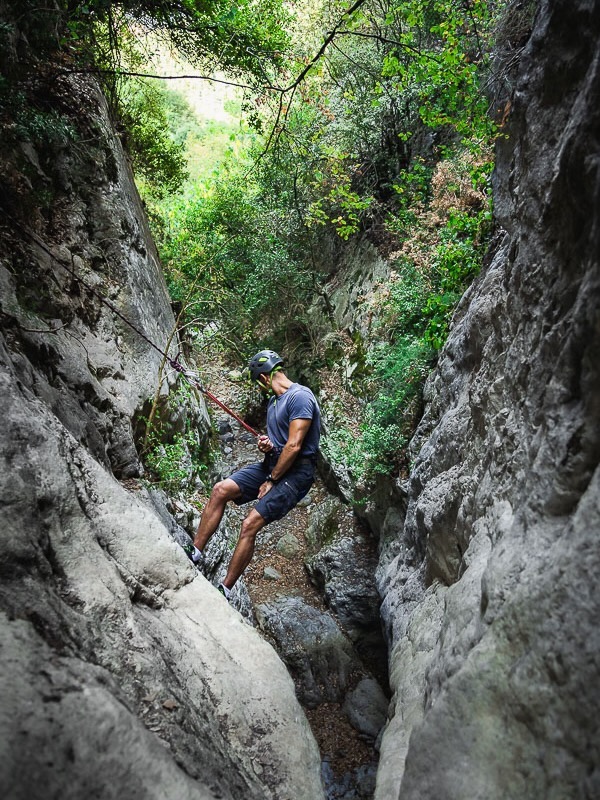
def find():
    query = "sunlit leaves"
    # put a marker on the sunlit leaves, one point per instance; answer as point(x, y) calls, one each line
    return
point(442, 53)
point(244, 38)
point(156, 157)
point(337, 204)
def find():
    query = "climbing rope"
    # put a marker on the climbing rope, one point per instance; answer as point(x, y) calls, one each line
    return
point(191, 376)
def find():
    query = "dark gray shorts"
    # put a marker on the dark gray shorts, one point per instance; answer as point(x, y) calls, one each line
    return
point(284, 495)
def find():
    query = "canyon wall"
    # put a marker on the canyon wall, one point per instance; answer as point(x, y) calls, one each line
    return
point(123, 672)
point(489, 597)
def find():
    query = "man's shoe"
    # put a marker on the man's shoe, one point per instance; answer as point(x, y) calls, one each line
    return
point(188, 549)
point(224, 591)
point(194, 555)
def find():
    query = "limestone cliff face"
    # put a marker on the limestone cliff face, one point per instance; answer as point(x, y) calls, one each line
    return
point(90, 368)
point(490, 597)
point(123, 673)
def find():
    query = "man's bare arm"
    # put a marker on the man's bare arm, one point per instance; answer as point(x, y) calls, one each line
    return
point(298, 430)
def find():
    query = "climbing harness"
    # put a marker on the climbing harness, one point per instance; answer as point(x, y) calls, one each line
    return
point(191, 376)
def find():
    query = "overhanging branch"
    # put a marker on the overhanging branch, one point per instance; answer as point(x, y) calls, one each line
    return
point(128, 74)
point(326, 42)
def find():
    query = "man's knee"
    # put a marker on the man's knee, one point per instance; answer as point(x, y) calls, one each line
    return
point(251, 525)
point(225, 490)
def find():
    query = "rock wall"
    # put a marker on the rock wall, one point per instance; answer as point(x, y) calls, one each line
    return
point(123, 673)
point(490, 603)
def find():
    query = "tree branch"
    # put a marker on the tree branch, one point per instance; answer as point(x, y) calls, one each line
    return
point(126, 73)
point(326, 42)
point(384, 40)
point(283, 110)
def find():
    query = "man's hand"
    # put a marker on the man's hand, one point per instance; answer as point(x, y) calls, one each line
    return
point(264, 488)
point(265, 445)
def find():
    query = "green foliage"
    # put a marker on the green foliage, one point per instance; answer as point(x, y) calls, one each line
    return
point(179, 116)
point(156, 156)
point(37, 125)
point(402, 313)
point(441, 54)
point(174, 458)
point(414, 312)
point(226, 259)
point(30, 119)
point(353, 152)
point(207, 34)
point(414, 184)
point(398, 371)
point(170, 464)
point(456, 262)
point(338, 204)
point(353, 132)
point(351, 149)
point(111, 39)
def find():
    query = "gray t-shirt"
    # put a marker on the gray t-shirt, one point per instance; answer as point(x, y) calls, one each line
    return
point(298, 402)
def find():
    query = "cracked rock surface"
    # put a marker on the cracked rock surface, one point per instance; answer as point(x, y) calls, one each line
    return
point(123, 672)
point(490, 601)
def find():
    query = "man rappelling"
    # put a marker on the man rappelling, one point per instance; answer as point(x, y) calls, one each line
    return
point(280, 480)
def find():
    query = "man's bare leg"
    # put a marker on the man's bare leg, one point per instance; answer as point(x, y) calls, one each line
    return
point(222, 493)
point(244, 549)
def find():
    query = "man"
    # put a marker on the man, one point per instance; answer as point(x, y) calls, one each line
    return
point(284, 476)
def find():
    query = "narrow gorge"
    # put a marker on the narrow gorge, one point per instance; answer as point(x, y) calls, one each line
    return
point(430, 634)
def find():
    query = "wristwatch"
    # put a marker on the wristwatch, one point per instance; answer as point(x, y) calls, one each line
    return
point(271, 479)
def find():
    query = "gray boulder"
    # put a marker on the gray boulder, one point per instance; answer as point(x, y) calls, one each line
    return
point(318, 655)
point(366, 707)
point(288, 546)
point(344, 570)
point(118, 655)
